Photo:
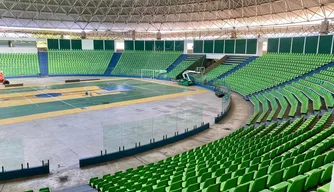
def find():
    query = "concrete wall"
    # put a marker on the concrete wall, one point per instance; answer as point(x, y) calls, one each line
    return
point(18, 50)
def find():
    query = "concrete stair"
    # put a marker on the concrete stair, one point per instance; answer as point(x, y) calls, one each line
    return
point(43, 63)
point(113, 62)
point(80, 188)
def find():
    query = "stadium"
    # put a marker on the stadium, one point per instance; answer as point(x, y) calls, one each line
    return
point(166, 95)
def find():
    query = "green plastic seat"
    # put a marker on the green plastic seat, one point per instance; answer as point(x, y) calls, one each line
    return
point(275, 167)
point(326, 173)
point(229, 184)
point(208, 182)
point(305, 166)
point(290, 172)
point(190, 181)
point(147, 188)
point(193, 187)
point(212, 188)
point(105, 187)
point(160, 189)
point(261, 172)
point(241, 188)
point(313, 178)
point(246, 178)
point(329, 157)
point(239, 172)
point(224, 177)
point(258, 184)
point(46, 189)
point(204, 177)
point(275, 178)
point(174, 186)
point(318, 161)
point(297, 184)
point(280, 187)
point(324, 188)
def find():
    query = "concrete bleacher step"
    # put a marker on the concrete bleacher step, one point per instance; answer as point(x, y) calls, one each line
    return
point(193, 58)
point(236, 59)
point(113, 62)
point(81, 188)
point(43, 63)
point(329, 122)
point(231, 63)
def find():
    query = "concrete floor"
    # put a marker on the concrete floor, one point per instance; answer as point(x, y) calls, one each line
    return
point(64, 141)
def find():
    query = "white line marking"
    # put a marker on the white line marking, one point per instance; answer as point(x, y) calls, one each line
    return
point(55, 98)
point(27, 99)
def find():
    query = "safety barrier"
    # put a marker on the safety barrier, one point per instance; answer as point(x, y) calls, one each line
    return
point(25, 172)
point(103, 158)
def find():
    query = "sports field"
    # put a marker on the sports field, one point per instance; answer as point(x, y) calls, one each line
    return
point(36, 102)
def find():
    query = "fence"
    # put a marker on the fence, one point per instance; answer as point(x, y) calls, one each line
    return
point(224, 91)
point(126, 139)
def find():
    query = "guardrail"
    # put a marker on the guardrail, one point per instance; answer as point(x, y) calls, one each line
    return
point(223, 91)
point(103, 158)
point(25, 172)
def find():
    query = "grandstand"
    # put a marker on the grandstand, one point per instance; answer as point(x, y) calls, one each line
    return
point(20, 64)
point(268, 71)
point(286, 145)
point(293, 157)
point(78, 62)
point(97, 101)
point(132, 62)
point(296, 97)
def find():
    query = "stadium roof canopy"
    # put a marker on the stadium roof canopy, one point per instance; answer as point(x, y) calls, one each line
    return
point(162, 15)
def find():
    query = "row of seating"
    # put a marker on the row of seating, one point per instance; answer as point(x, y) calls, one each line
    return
point(78, 62)
point(291, 156)
point(295, 98)
point(257, 109)
point(19, 64)
point(132, 62)
point(273, 69)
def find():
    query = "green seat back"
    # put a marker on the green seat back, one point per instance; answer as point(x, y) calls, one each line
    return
point(258, 184)
point(275, 178)
point(318, 161)
point(327, 173)
point(229, 184)
point(290, 172)
point(305, 166)
point(192, 187)
point(212, 188)
point(313, 178)
point(246, 178)
point(297, 184)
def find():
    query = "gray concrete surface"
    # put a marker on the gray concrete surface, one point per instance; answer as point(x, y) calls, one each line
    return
point(64, 141)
